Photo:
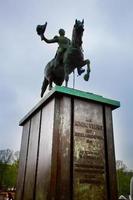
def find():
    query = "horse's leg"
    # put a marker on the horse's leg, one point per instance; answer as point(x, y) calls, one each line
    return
point(44, 86)
point(66, 79)
point(66, 69)
point(50, 84)
point(86, 62)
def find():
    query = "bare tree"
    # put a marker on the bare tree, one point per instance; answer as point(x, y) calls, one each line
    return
point(5, 159)
point(120, 165)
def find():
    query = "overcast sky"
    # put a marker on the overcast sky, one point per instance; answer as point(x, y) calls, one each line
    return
point(107, 42)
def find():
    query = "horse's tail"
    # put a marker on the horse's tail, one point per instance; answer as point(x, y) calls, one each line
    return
point(44, 86)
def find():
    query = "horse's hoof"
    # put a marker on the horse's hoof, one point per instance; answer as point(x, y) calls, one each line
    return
point(50, 88)
point(41, 94)
point(86, 77)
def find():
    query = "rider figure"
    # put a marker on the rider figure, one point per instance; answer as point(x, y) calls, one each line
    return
point(63, 43)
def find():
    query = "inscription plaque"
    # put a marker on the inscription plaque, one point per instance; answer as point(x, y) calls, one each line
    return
point(89, 156)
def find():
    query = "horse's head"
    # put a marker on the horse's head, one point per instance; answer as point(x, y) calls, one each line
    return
point(79, 26)
point(78, 32)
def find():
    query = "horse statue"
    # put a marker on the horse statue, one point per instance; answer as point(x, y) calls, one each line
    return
point(72, 58)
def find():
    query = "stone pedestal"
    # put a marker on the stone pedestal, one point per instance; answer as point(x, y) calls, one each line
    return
point(67, 150)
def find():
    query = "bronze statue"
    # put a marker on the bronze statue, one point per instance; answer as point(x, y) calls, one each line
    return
point(69, 56)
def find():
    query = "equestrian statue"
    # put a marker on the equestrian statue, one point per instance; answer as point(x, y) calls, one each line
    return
point(68, 57)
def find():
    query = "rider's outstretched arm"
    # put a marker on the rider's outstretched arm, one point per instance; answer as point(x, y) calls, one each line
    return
point(55, 39)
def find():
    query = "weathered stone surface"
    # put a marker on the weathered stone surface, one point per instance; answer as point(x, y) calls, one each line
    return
point(67, 150)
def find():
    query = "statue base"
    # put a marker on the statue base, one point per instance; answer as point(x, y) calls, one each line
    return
point(67, 149)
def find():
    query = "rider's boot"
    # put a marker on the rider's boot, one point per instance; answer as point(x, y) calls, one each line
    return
point(80, 71)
